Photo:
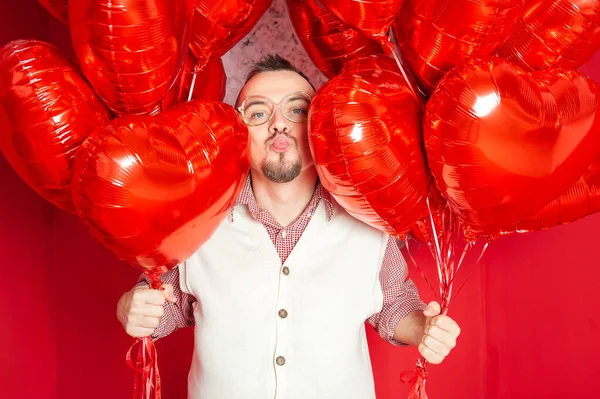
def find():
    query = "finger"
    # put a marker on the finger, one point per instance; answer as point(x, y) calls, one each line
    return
point(154, 297)
point(154, 311)
point(139, 332)
point(146, 332)
point(445, 323)
point(436, 346)
point(149, 322)
point(443, 336)
point(429, 355)
point(432, 309)
point(168, 292)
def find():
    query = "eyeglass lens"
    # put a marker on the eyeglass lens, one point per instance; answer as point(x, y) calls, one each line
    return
point(258, 110)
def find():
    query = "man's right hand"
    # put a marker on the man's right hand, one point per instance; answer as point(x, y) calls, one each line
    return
point(141, 309)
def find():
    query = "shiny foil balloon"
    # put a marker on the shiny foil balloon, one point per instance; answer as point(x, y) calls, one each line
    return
point(219, 25)
point(365, 137)
point(152, 189)
point(503, 143)
point(371, 17)
point(208, 83)
point(582, 199)
point(436, 35)
point(47, 110)
point(554, 33)
point(58, 8)
point(131, 51)
point(328, 41)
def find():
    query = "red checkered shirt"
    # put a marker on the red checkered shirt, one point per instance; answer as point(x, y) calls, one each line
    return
point(400, 296)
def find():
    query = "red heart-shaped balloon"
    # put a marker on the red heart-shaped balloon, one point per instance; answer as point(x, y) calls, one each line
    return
point(152, 189)
point(130, 51)
point(581, 200)
point(503, 143)
point(436, 35)
point(209, 83)
point(58, 8)
point(365, 137)
point(47, 110)
point(328, 41)
point(219, 25)
point(554, 33)
point(371, 17)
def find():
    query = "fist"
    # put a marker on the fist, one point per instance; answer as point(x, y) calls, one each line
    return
point(440, 335)
point(141, 309)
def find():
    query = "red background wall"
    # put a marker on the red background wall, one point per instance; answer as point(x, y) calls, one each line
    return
point(528, 312)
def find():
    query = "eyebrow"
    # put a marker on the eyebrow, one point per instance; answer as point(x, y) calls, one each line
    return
point(259, 101)
point(256, 102)
point(298, 98)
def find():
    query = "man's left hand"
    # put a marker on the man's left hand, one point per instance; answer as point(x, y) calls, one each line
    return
point(440, 334)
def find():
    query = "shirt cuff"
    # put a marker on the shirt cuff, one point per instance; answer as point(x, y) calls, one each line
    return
point(415, 305)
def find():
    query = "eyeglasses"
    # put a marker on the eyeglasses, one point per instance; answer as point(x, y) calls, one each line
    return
point(258, 110)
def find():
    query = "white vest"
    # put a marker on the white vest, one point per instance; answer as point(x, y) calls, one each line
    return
point(263, 332)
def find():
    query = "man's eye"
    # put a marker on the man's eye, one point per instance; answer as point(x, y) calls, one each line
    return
point(299, 111)
point(258, 115)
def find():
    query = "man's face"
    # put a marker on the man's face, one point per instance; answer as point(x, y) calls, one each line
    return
point(279, 147)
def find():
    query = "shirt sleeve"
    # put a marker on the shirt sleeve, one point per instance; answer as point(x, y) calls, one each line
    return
point(400, 295)
point(177, 315)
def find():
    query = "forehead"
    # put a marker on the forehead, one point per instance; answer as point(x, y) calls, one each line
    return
point(275, 85)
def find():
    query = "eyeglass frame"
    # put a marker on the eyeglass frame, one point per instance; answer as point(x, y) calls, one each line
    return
point(277, 106)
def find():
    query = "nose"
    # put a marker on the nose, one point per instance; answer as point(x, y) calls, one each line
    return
point(279, 123)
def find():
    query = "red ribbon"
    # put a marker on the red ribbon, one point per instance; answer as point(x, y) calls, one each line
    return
point(146, 382)
point(416, 378)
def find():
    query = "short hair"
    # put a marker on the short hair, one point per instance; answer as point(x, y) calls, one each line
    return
point(272, 63)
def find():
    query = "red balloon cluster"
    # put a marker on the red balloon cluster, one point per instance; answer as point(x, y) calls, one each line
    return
point(508, 149)
point(139, 61)
point(47, 110)
point(152, 189)
point(366, 140)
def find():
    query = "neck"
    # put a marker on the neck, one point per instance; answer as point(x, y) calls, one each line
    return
point(284, 201)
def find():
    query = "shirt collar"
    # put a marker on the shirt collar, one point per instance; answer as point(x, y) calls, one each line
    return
point(246, 197)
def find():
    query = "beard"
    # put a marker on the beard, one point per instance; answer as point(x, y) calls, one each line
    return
point(285, 167)
point(282, 170)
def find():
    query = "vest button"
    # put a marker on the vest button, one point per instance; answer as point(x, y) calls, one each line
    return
point(280, 360)
point(283, 313)
point(286, 270)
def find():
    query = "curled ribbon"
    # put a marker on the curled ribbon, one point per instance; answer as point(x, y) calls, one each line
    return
point(416, 379)
point(146, 383)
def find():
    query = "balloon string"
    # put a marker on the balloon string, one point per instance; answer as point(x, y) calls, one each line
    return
point(412, 259)
point(147, 383)
point(389, 48)
point(193, 85)
point(438, 252)
point(448, 263)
